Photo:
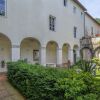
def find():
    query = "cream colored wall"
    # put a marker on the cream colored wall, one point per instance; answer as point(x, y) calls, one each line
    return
point(90, 23)
point(65, 22)
point(5, 52)
point(24, 19)
point(27, 47)
point(30, 18)
point(5, 49)
point(86, 54)
point(65, 53)
point(97, 53)
point(51, 53)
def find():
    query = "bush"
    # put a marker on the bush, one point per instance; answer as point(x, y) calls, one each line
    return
point(86, 66)
point(36, 82)
point(97, 61)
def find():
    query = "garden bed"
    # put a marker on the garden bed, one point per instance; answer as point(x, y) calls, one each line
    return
point(37, 82)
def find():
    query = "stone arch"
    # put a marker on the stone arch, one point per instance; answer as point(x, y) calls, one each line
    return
point(65, 52)
point(86, 53)
point(51, 53)
point(5, 50)
point(97, 52)
point(76, 53)
point(30, 50)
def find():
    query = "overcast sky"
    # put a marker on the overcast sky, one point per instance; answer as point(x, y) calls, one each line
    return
point(93, 7)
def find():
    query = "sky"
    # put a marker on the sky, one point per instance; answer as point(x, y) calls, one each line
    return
point(93, 7)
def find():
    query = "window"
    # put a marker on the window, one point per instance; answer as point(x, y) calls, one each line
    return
point(52, 23)
point(2, 7)
point(81, 13)
point(74, 9)
point(91, 30)
point(35, 55)
point(65, 3)
point(75, 32)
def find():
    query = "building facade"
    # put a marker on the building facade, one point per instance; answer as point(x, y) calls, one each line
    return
point(47, 32)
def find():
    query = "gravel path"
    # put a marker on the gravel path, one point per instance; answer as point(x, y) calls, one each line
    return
point(7, 92)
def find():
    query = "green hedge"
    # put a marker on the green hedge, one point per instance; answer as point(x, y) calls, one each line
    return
point(36, 82)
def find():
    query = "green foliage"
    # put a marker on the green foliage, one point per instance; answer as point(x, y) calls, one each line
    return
point(37, 82)
point(78, 87)
point(98, 20)
point(86, 66)
point(97, 61)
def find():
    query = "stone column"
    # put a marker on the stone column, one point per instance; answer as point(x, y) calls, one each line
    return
point(15, 52)
point(78, 54)
point(43, 56)
point(59, 57)
point(71, 56)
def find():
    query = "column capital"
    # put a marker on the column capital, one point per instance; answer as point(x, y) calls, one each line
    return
point(43, 47)
point(15, 52)
point(59, 48)
point(43, 56)
point(15, 46)
point(71, 49)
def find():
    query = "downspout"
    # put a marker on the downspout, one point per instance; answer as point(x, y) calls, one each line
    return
point(84, 22)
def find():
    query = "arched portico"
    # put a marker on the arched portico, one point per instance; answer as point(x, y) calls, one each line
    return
point(65, 54)
point(76, 53)
point(30, 50)
point(51, 53)
point(5, 51)
point(86, 53)
point(97, 52)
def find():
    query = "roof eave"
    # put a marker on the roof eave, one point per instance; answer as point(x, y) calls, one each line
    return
point(76, 1)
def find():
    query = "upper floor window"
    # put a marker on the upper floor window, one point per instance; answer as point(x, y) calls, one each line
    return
point(65, 2)
point(74, 9)
point(52, 20)
point(81, 14)
point(91, 30)
point(75, 32)
point(2, 7)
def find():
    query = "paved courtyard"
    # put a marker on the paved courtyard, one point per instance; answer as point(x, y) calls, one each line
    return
point(7, 92)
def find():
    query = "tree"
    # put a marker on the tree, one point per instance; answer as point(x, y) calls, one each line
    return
point(98, 20)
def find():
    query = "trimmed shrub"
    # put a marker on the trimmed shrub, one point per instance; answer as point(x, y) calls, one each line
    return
point(37, 82)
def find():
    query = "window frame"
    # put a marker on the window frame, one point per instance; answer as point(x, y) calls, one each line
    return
point(65, 2)
point(92, 30)
point(52, 22)
point(74, 9)
point(5, 12)
point(75, 32)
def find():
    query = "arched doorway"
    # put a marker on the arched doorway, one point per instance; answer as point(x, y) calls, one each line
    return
point(86, 54)
point(65, 54)
point(51, 53)
point(76, 53)
point(97, 52)
point(30, 50)
point(5, 51)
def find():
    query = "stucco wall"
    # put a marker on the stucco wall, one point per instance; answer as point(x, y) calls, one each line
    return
point(89, 23)
point(30, 18)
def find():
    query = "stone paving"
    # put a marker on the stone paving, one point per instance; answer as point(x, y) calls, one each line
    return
point(7, 92)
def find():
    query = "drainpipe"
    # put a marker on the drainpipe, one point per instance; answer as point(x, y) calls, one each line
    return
point(84, 22)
